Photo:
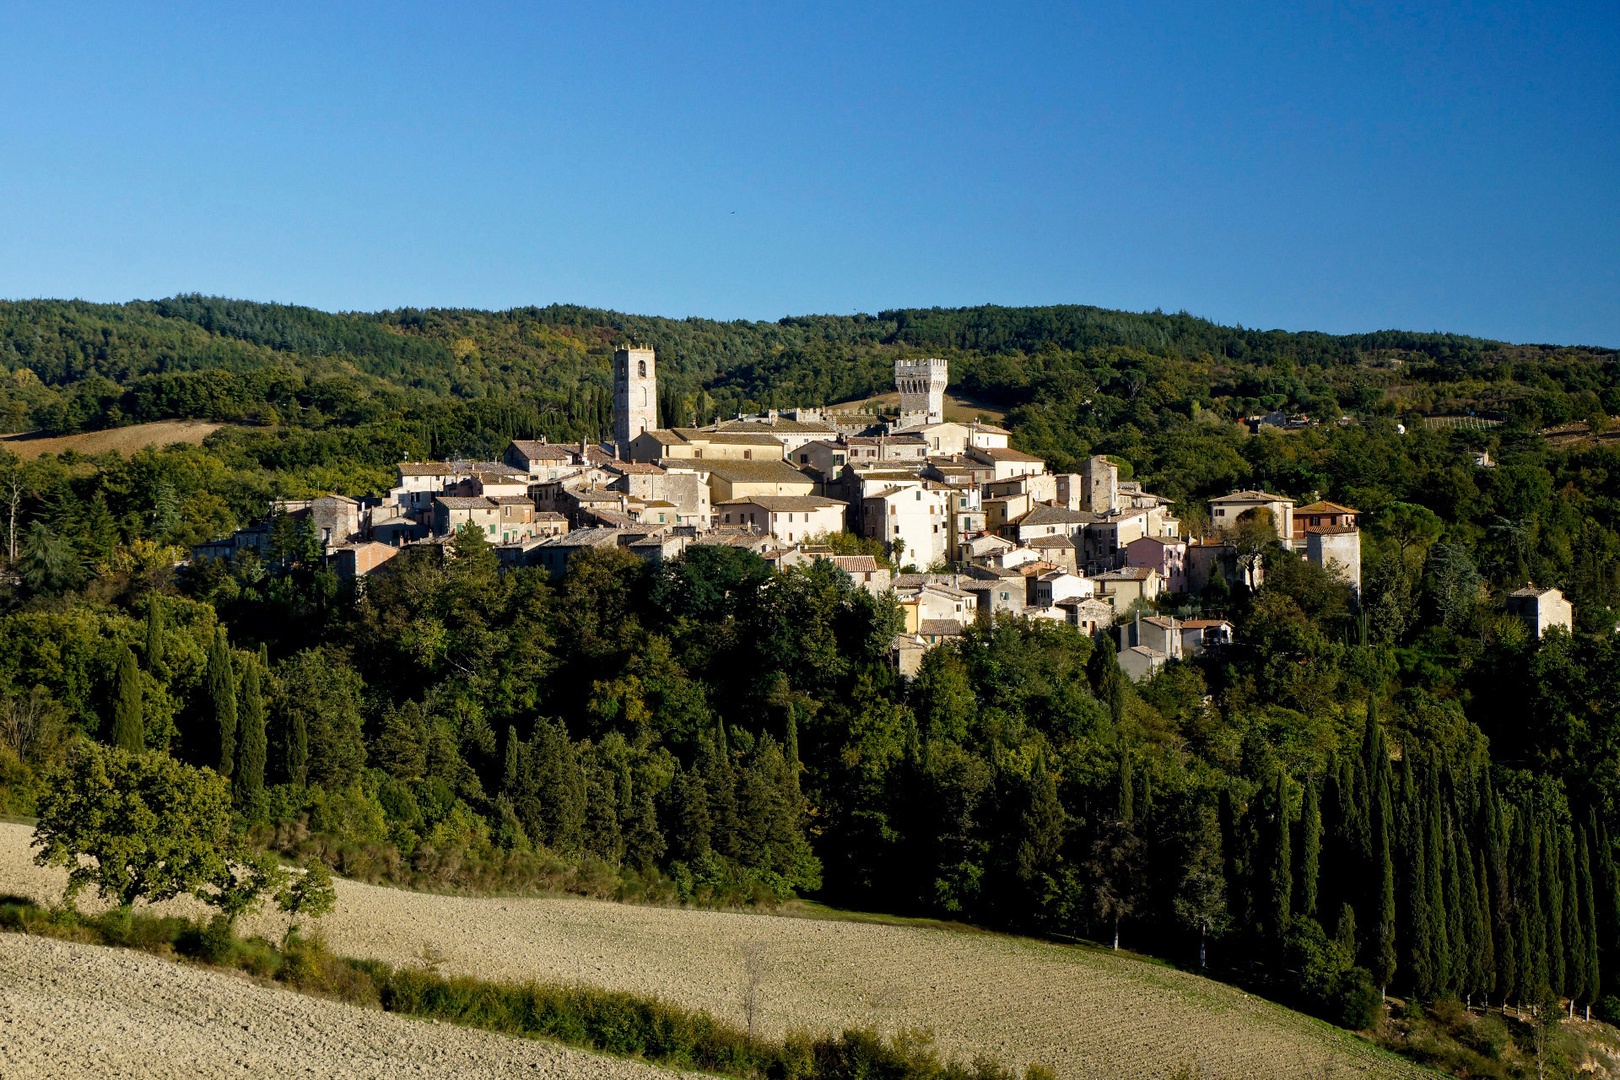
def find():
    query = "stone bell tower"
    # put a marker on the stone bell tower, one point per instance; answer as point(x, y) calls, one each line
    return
point(635, 396)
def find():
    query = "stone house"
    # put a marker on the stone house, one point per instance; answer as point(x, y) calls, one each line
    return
point(1225, 511)
point(793, 518)
point(1541, 609)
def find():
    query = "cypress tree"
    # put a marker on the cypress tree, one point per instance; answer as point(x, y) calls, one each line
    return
point(156, 633)
point(1373, 763)
point(1310, 852)
point(129, 716)
point(793, 766)
point(1281, 876)
point(1125, 797)
point(1607, 882)
point(511, 763)
point(1552, 901)
point(1434, 871)
point(1532, 944)
point(1457, 936)
point(1471, 959)
point(222, 692)
point(1591, 982)
point(250, 757)
point(1497, 893)
point(296, 743)
point(1329, 874)
point(1574, 932)
point(1488, 978)
point(1383, 946)
point(1419, 959)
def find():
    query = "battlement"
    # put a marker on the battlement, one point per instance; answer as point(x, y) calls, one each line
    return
point(922, 390)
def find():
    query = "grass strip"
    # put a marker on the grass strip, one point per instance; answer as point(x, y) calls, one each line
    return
point(605, 1021)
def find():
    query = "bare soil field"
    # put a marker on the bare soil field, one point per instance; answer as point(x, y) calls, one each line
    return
point(1082, 1011)
point(124, 440)
point(84, 1010)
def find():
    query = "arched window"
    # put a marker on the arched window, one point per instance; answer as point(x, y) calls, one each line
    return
point(641, 368)
point(643, 397)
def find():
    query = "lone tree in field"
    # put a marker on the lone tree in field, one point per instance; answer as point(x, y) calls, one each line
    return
point(145, 827)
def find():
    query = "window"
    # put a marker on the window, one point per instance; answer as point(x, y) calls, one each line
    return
point(748, 455)
point(641, 370)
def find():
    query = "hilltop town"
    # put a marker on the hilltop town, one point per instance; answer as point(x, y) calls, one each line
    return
point(957, 522)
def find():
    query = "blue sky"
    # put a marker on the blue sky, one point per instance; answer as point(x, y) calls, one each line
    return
point(1340, 167)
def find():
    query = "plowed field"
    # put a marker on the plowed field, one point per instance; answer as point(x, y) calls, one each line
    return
point(1082, 1011)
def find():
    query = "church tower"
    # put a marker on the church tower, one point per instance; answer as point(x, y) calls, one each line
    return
point(635, 396)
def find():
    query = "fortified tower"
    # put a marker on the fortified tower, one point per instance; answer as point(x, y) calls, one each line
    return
point(922, 391)
point(635, 396)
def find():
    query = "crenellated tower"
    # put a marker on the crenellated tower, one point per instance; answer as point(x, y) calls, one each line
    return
point(922, 391)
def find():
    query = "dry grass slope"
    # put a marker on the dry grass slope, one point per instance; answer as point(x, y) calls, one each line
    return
point(124, 440)
point(1083, 1012)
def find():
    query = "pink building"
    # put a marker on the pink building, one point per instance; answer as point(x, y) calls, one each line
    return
point(1166, 554)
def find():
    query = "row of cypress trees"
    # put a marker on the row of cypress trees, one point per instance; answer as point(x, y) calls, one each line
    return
point(1446, 887)
point(237, 716)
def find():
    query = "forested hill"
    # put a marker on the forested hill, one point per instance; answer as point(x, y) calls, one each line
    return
point(470, 378)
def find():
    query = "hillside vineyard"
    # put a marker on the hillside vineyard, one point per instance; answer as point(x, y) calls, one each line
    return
point(1284, 656)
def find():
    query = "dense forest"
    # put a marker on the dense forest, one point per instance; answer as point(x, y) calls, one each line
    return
point(1402, 790)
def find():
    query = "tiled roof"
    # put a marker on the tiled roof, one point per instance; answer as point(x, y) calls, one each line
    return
point(1058, 541)
point(786, 427)
point(855, 564)
point(1002, 453)
point(1129, 573)
point(465, 502)
point(1057, 515)
point(782, 504)
point(1324, 507)
point(773, 471)
point(939, 628)
point(1253, 496)
point(539, 451)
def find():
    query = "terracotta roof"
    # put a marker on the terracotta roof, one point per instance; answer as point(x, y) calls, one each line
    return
point(1330, 530)
point(1058, 541)
point(424, 468)
point(640, 468)
point(855, 564)
point(939, 628)
point(771, 471)
point(539, 451)
point(1324, 507)
point(1002, 453)
point(784, 503)
point(1253, 496)
point(1056, 515)
point(1129, 573)
point(465, 502)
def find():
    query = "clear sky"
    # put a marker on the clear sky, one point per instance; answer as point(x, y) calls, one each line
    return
point(1341, 167)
